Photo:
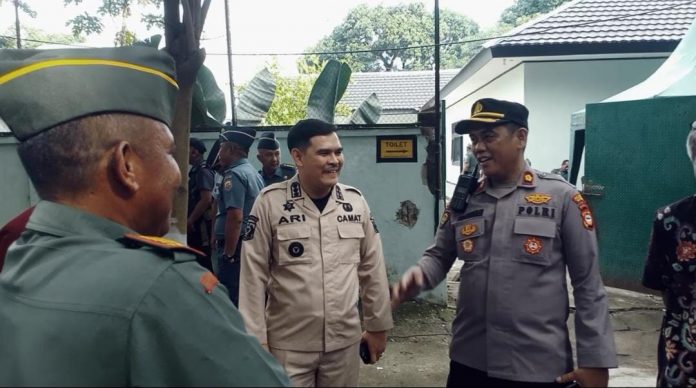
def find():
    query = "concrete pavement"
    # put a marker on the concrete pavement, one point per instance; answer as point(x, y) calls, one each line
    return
point(417, 350)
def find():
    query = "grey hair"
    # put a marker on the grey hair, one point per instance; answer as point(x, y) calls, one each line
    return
point(691, 142)
point(63, 160)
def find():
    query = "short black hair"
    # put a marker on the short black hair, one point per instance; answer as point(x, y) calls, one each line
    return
point(301, 133)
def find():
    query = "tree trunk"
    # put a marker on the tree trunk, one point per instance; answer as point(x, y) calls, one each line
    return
point(180, 131)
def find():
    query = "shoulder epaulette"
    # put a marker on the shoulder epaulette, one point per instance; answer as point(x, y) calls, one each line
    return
point(138, 240)
point(554, 177)
point(351, 188)
point(273, 186)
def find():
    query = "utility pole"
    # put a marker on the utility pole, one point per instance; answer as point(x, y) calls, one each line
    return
point(229, 60)
point(19, 38)
point(439, 138)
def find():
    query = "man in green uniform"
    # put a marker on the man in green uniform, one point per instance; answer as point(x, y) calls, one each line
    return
point(236, 193)
point(90, 294)
point(272, 171)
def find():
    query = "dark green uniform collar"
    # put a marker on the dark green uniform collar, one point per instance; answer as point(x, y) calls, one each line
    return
point(61, 220)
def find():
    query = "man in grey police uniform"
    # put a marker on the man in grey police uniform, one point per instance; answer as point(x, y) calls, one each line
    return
point(272, 171)
point(236, 194)
point(90, 294)
point(520, 232)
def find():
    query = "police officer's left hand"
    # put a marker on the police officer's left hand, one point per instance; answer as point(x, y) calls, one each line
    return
point(376, 342)
point(586, 377)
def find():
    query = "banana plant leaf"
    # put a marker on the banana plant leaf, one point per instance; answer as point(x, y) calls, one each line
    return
point(328, 90)
point(368, 112)
point(256, 99)
point(208, 105)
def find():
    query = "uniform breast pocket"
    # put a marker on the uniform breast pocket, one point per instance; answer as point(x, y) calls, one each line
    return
point(533, 241)
point(349, 243)
point(469, 235)
point(294, 244)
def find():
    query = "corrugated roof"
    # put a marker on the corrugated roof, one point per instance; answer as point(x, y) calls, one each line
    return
point(607, 21)
point(396, 90)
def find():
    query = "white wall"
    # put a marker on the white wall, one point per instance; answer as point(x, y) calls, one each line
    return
point(552, 91)
point(510, 86)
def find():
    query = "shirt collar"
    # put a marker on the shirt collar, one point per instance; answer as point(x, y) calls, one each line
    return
point(294, 190)
point(238, 163)
point(61, 220)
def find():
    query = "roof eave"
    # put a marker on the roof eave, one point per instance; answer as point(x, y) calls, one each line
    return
point(568, 49)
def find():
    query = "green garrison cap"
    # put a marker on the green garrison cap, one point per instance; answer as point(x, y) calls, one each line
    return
point(40, 89)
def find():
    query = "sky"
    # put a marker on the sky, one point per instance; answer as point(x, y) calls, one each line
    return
point(257, 26)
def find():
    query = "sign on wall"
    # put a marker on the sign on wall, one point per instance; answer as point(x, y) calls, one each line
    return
point(397, 149)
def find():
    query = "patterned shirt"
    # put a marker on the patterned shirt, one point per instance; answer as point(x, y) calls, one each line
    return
point(671, 267)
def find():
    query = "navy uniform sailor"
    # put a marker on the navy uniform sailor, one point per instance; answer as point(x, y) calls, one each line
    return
point(522, 229)
point(312, 248)
point(236, 194)
point(87, 298)
point(272, 171)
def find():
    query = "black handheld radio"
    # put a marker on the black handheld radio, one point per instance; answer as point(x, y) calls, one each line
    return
point(466, 185)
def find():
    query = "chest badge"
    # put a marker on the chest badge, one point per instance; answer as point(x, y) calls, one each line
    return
point(296, 249)
point(538, 198)
point(468, 229)
point(227, 184)
point(347, 207)
point(288, 206)
point(533, 245)
point(467, 246)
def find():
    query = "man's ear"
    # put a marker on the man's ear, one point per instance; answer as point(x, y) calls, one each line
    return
point(521, 136)
point(124, 167)
point(297, 156)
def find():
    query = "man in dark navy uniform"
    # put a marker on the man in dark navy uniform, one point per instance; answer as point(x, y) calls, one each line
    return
point(200, 199)
point(272, 171)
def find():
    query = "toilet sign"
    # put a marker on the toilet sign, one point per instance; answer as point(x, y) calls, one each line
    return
point(397, 149)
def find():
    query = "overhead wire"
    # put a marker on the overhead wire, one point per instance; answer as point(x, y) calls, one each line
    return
point(415, 47)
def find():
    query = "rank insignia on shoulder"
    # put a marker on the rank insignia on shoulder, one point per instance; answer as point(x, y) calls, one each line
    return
point(339, 193)
point(533, 245)
point(468, 229)
point(445, 217)
point(538, 198)
point(528, 178)
point(467, 246)
point(209, 282)
point(159, 242)
point(227, 184)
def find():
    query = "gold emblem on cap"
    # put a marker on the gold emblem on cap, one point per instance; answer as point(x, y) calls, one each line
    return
point(538, 198)
point(478, 108)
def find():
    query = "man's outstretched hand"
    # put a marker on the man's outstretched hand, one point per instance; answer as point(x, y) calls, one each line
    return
point(408, 287)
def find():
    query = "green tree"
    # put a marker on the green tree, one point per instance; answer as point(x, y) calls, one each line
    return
point(121, 10)
point(525, 10)
point(387, 29)
point(8, 42)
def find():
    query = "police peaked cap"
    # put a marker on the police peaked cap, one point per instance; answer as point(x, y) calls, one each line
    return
point(267, 141)
point(243, 136)
point(40, 89)
point(489, 112)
